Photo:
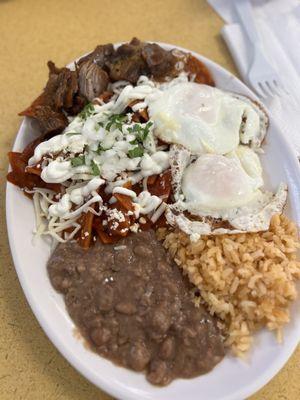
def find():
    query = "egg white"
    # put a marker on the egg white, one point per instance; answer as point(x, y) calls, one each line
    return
point(205, 119)
point(228, 188)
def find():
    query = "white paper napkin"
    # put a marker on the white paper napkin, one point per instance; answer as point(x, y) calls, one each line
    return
point(278, 24)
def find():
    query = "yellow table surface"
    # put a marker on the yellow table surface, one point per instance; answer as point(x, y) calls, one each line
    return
point(32, 32)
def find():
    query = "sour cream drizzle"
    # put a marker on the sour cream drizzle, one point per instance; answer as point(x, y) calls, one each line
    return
point(146, 203)
point(76, 196)
point(126, 192)
point(88, 147)
point(57, 172)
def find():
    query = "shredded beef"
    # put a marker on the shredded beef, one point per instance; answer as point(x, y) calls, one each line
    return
point(160, 62)
point(61, 87)
point(92, 79)
point(57, 96)
point(127, 63)
point(100, 55)
point(79, 102)
point(51, 122)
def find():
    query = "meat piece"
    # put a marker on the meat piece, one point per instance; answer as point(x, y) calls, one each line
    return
point(61, 87)
point(79, 102)
point(92, 80)
point(57, 96)
point(135, 41)
point(53, 69)
point(100, 55)
point(161, 62)
point(127, 62)
point(59, 92)
point(128, 69)
point(51, 122)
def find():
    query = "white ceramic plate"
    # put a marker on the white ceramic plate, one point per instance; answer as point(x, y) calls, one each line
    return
point(232, 379)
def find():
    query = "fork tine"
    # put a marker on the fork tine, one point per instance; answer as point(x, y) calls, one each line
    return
point(273, 88)
point(262, 90)
point(266, 89)
point(258, 90)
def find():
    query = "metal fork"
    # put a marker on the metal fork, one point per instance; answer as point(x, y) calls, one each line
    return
point(261, 76)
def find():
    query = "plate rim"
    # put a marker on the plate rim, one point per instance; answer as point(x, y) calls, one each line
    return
point(50, 332)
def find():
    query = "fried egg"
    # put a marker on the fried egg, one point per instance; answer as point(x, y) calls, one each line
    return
point(205, 119)
point(218, 194)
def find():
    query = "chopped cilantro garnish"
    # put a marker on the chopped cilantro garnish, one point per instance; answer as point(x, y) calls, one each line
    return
point(100, 149)
point(147, 129)
point(135, 141)
point(95, 168)
point(135, 128)
point(78, 161)
point(140, 132)
point(137, 151)
point(87, 111)
point(117, 120)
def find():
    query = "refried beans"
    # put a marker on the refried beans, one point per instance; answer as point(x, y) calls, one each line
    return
point(134, 307)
